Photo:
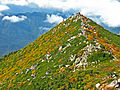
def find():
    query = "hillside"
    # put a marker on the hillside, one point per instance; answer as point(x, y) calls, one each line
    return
point(77, 54)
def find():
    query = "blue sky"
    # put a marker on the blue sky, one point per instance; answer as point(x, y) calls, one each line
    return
point(107, 10)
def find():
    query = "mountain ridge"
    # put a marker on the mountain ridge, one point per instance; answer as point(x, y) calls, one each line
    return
point(75, 54)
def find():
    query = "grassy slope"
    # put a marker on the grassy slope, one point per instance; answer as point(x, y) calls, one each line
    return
point(13, 67)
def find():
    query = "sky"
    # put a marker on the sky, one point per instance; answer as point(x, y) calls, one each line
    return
point(107, 10)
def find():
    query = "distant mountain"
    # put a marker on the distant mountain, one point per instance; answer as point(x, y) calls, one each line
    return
point(77, 54)
point(112, 29)
point(14, 36)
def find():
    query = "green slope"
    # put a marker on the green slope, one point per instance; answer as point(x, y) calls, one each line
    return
point(76, 54)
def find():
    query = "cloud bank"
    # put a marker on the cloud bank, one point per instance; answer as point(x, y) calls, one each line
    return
point(107, 10)
point(44, 28)
point(54, 19)
point(3, 7)
point(14, 19)
point(16, 2)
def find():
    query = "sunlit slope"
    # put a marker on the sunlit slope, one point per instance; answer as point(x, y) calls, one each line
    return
point(76, 54)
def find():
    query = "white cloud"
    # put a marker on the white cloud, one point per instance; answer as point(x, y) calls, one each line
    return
point(108, 10)
point(16, 2)
point(54, 19)
point(44, 28)
point(14, 19)
point(3, 7)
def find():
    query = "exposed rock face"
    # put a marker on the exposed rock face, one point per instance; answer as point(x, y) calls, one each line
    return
point(82, 60)
point(113, 85)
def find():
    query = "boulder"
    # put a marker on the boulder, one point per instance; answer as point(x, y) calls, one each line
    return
point(28, 79)
point(26, 71)
point(119, 80)
point(33, 66)
point(72, 58)
point(97, 85)
point(112, 84)
point(67, 65)
point(60, 48)
point(47, 73)
point(32, 75)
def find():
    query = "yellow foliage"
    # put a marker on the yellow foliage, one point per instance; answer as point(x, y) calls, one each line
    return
point(24, 82)
point(61, 88)
point(29, 83)
point(33, 71)
point(77, 36)
point(73, 79)
point(10, 85)
point(19, 84)
point(60, 60)
point(62, 70)
point(92, 89)
point(74, 89)
point(71, 67)
point(90, 37)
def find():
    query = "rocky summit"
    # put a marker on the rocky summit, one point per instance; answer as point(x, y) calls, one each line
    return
point(77, 54)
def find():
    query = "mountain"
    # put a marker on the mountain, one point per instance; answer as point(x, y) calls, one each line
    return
point(14, 37)
point(77, 54)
